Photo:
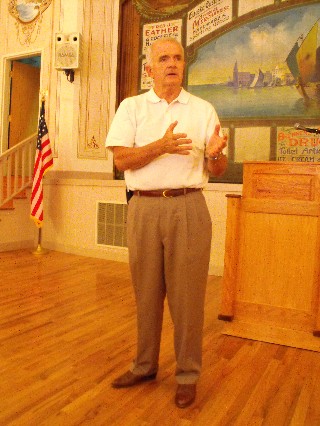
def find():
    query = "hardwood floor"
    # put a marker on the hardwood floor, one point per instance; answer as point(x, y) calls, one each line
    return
point(67, 328)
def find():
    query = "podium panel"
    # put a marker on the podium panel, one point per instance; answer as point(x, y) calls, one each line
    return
point(270, 286)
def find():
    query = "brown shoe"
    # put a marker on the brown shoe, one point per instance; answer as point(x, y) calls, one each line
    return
point(129, 379)
point(185, 395)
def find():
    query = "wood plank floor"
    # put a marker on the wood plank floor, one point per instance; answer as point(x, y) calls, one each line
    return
point(67, 328)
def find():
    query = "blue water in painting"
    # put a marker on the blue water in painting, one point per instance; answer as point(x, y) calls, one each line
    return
point(262, 102)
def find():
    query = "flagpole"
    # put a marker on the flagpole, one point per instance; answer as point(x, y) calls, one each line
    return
point(39, 250)
point(43, 162)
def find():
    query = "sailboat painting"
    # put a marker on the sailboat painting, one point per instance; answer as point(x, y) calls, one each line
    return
point(304, 64)
point(269, 67)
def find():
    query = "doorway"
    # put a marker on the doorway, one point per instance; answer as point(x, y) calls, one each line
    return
point(24, 99)
point(20, 98)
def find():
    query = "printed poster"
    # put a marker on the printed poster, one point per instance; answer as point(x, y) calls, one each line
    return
point(297, 145)
point(207, 17)
point(153, 32)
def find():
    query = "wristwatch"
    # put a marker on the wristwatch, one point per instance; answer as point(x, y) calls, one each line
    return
point(216, 157)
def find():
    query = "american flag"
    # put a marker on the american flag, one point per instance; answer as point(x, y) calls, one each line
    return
point(43, 161)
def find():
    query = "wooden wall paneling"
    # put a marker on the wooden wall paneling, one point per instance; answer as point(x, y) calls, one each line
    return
point(128, 65)
point(128, 68)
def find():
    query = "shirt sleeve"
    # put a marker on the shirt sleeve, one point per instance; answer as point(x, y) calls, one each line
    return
point(122, 130)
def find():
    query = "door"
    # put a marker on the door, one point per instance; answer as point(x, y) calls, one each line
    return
point(24, 101)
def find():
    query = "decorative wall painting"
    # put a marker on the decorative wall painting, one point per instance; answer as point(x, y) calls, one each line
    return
point(268, 67)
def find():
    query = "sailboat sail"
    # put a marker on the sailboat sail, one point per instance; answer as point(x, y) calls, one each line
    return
point(306, 55)
point(258, 80)
point(304, 64)
point(292, 61)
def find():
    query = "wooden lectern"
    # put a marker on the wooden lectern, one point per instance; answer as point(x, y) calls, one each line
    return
point(271, 280)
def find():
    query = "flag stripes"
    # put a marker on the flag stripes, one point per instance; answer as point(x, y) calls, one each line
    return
point(43, 161)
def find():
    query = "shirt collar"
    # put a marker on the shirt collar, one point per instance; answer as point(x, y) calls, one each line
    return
point(183, 97)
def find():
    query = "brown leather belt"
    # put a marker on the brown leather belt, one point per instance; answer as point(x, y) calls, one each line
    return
point(167, 193)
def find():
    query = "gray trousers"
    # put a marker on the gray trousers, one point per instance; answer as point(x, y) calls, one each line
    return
point(169, 241)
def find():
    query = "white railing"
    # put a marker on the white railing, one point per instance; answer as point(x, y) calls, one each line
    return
point(16, 168)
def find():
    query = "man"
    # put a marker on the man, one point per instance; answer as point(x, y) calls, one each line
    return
point(166, 141)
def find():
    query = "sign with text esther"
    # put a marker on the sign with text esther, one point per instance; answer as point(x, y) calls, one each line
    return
point(152, 32)
point(297, 145)
point(207, 17)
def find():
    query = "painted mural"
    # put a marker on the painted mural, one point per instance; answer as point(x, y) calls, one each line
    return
point(269, 67)
point(28, 15)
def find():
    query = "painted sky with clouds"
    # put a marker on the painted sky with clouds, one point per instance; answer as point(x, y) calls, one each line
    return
point(263, 43)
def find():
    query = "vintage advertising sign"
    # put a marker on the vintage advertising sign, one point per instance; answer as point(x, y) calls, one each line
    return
point(152, 32)
point(146, 81)
point(207, 17)
point(297, 145)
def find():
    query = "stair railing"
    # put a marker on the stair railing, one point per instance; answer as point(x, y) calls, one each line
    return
point(16, 168)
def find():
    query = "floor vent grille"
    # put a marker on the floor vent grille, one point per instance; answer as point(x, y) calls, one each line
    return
point(112, 224)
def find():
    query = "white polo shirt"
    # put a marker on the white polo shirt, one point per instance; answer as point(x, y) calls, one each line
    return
point(145, 118)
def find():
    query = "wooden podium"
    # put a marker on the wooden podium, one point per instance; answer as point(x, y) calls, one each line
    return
point(271, 280)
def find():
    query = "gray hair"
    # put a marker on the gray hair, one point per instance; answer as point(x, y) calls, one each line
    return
point(149, 51)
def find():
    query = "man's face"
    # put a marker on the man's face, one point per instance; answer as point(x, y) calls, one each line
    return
point(168, 64)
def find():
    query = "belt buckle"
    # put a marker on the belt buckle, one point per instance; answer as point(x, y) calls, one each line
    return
point(164, 194)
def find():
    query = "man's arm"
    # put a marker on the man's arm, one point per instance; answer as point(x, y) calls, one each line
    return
point(217, 162)
point(137, 157)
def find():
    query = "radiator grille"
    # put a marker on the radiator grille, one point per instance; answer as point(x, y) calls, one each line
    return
point(112, 224)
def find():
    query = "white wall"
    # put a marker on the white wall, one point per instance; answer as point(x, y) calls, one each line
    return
point(67, 136)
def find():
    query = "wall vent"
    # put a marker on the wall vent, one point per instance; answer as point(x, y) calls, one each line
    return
point(112, 224)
